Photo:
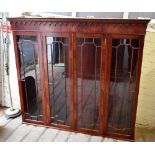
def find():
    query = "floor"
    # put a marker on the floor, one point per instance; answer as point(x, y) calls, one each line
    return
point(12, 130)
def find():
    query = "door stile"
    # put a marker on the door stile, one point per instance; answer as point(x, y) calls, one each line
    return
point(45, 86)
point(41, 75)
point(73, 82)
point(108, 45)
point(102, 86)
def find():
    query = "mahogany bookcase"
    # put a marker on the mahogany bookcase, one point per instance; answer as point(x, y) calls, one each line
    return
point(80, 74)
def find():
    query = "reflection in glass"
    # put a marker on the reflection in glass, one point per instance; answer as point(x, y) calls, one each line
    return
point(30, 76)
point(88, 82)
point(58, 70)
point(122, 84)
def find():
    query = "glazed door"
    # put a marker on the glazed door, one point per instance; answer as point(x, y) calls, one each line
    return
point(124, 74)
point(57, 78)
point(29, 68)
point(90, 58)
point(75, 67)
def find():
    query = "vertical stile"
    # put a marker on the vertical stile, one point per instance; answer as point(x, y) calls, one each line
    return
point(41, 68)
point(102, 86)
point(46, 86)
point(73, 80)
point(108, 46)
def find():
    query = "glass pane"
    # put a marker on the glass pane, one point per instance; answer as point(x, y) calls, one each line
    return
point(115, 42)
point(88, 40)
point(122, 86)
point(30, 76)
point(58, 73)
point(97, 41)
point(88, 83)
point(135, 42)
point(80, 41)
point(28, 38)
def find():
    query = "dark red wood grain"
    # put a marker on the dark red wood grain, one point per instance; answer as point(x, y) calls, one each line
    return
point(73, 28)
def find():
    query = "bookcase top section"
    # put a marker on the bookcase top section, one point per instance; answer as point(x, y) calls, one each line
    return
point(83, 25)
point(107, 20)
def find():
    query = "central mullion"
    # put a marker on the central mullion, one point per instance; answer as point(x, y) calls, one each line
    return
point(73, 82)
point(47, 109)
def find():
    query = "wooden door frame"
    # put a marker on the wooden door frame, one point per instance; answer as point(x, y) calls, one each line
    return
point(46, 79)
point(109, 38)
point(37, 34)
point(102, 82)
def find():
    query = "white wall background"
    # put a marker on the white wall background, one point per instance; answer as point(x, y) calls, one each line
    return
point(13, 75)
